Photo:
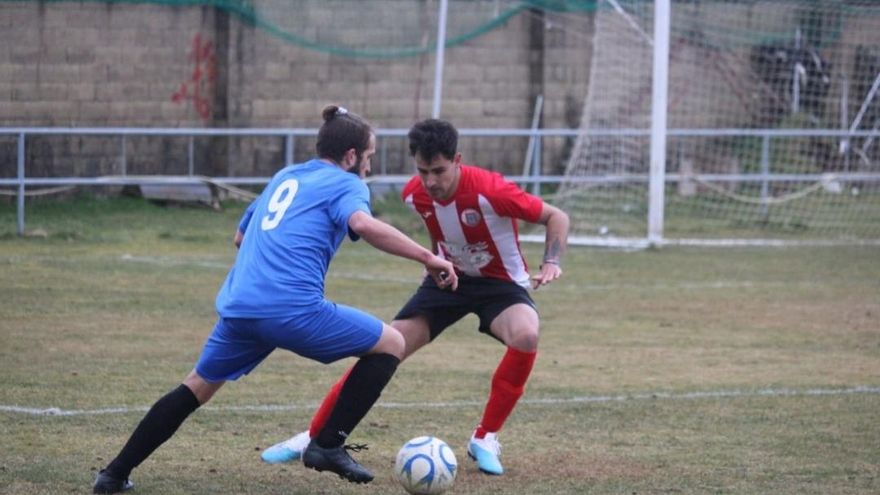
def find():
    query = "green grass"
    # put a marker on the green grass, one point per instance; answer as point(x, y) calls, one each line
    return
point(649, 378)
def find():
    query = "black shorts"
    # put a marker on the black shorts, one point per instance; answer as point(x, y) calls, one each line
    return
point(484, 297)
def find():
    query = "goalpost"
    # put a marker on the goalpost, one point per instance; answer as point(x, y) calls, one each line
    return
point(767, 133)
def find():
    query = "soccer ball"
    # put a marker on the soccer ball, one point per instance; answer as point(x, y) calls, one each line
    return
point(425, 466)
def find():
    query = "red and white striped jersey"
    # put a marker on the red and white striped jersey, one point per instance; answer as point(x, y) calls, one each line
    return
point(476, 229)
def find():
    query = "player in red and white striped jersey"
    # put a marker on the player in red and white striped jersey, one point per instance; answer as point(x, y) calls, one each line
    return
point(472, 216)
point(475, 227)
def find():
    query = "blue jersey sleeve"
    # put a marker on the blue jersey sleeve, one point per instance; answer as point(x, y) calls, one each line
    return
point(355, 196)
point(246, 217)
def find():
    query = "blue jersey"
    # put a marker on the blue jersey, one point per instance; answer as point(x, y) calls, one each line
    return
point(291, 232)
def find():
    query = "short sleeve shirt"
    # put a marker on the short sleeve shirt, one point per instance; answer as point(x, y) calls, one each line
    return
point(476, 229)
point(291, 232)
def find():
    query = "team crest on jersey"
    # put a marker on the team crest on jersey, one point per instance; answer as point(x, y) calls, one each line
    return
point(470, 217)
point(470, 258)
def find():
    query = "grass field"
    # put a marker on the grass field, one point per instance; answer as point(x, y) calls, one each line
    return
point(663, 371)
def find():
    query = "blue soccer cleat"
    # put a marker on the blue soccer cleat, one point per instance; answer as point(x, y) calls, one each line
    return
point(287, 451)
point(486, 451)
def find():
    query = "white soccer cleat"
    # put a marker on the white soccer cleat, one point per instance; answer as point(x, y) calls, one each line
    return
point(486, 451)
point(287, 451)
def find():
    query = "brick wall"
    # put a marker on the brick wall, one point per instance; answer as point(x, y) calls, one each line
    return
point(92, 64)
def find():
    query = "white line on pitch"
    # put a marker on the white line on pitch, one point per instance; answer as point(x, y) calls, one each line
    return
point(717, 394)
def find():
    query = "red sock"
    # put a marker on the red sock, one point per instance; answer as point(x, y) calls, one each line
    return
point(326, 407)
point(508, 385)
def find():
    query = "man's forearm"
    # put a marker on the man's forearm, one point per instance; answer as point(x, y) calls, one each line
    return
point(386, 238)
point(556, 239)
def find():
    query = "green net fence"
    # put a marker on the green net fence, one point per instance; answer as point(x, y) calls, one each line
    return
point(334, 26)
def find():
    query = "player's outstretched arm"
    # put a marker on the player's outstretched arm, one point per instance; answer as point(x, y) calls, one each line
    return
point(557, 224)
point(387, 238)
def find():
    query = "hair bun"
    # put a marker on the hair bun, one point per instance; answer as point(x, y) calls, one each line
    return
point(331, 111)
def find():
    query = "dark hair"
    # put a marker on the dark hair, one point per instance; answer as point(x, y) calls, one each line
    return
point(432, 137)
point(342, 131)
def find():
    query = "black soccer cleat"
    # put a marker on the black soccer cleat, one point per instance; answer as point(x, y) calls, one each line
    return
point(107, 483)
point(336, 460)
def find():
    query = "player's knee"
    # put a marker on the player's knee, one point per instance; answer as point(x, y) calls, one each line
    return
point(398, 345)
point(416, 334)
point(391, 342)
point(201, 388)
point(524, 339)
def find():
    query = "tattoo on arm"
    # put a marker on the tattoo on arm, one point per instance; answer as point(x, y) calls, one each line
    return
point(553, 252)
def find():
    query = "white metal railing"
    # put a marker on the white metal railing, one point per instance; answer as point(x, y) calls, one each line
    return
point(533, 174)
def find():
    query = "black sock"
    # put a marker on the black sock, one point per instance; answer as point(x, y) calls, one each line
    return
point(361, 390)
point(160, 422)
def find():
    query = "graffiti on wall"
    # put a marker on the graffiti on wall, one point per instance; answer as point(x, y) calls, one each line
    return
point(199, 88)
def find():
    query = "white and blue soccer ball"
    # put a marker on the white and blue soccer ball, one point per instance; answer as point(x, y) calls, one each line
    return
point(425, 466)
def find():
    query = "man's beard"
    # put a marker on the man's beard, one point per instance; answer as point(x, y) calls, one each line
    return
point(356, 168)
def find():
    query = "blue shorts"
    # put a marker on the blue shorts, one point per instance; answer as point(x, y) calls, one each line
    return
point(334, 331)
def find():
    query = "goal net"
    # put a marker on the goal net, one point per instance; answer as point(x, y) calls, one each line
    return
point(773, 116)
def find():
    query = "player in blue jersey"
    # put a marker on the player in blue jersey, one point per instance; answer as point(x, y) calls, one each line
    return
point(273, 297)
